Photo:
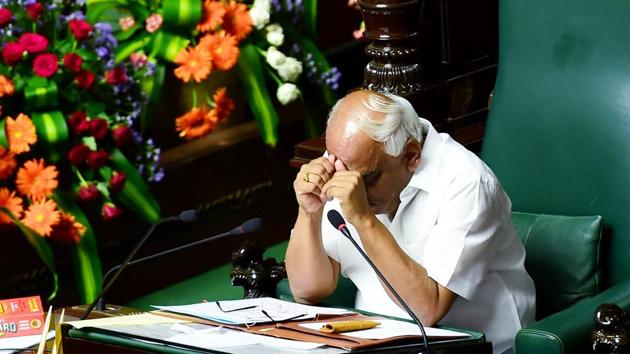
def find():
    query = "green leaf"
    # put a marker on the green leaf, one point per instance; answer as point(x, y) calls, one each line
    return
point(101, 10)
point(133, 44)
point(3, 136)
point(136, 194)
point(308, 46)
point(153, 87)
point(260, 103)
point(310, 18)
point(87, 264)
point(41, 248)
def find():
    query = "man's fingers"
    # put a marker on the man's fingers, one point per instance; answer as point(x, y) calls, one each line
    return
point(302, 187)
point(313, 178)
point(339, 166)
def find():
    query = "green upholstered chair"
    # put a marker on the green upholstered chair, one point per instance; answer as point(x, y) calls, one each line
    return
point(558, 139)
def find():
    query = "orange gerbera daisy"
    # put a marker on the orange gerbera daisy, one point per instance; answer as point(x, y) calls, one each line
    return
point(41, 216)
point(12, 203)
point(6, 86)
point(236, 20)
point(213, 12)
point(223, 47)
point(21, 133)
point(194, 124)
point(195, 62)
point(68, 229)
point(223, 104)
point(7, 163)
point(36, 180)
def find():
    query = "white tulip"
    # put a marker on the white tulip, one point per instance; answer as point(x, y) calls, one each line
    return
point(275, 58)
point(290, 70)
point(287, 93)
point(275, 38)
point(260, 16)
point(264, 4)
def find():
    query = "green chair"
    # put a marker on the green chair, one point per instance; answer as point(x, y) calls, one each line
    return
point(557, 139)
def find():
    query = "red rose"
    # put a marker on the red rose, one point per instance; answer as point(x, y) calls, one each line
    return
point(34, 10)
point(116, 76)
point(80, 29)
point(122, 135)
point(97, 159)
point(88, 192)
point(117, 182)
point(33, 42)
point(78, 154)
point(12, 53)
point(98, 128)
point(5, 16)
point(110, 211)
point(45, 65)
point(72, 62)
point(85, 79)
point(78, 123)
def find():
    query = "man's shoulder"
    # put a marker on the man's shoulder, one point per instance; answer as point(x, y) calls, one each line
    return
point(460, 163)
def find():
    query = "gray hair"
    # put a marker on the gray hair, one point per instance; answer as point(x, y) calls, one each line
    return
point(400, 121)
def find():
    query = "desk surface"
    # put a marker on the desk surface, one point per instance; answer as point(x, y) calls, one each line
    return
point(93, 340)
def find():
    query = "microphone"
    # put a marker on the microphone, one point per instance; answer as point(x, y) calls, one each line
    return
point(340, 224)
point(249, 226)
point(185, 216)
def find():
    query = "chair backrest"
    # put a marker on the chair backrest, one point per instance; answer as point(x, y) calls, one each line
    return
point(558, 133)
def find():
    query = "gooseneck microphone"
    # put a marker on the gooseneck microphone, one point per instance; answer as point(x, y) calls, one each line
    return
point(340, 224)
point(185, 216)
point(249, 226)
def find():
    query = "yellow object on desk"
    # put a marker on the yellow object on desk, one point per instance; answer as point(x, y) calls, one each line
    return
point(348, 326)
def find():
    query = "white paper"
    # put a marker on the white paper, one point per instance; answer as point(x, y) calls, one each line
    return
point(393, 328)
point(214, 338)
point(140, 319)
point(250, 311)
point(22, 342)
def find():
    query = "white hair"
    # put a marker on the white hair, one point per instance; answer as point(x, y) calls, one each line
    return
point(400, 121)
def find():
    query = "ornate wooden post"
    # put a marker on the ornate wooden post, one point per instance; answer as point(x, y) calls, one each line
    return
point(392, 26)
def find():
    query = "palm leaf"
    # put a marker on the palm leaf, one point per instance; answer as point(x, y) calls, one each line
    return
point(310, 18)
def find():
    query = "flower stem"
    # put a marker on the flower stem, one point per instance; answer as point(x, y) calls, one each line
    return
point(194, 98)
point(76, 171)
point(276, 78)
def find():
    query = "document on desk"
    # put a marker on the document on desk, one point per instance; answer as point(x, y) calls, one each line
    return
point(393, 328)
point(252, 311)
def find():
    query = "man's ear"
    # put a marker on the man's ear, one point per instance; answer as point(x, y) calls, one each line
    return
point(413, 150)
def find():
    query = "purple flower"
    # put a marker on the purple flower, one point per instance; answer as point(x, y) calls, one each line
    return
point(103, 27)
point(77, 15)
point(28, 2)
point(102, 52)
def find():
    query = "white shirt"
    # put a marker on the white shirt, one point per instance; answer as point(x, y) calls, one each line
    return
point(454, 220)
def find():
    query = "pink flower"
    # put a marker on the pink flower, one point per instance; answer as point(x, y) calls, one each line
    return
point(110, 211)
point(122, 135)
point(80, 29)
point(97, 159)
point(12, 53)
point(126, 22)
point(116, 76)
point(138, 59)
point(33, 42)
point(34, 10)
point(85, 79)
point(78, 154)
point(98, 128)
point(5, 16)
point(153, 23)
point(73, 62)
point(88, 192)
point(45, 65)
point(117, 182)
point(78, 123)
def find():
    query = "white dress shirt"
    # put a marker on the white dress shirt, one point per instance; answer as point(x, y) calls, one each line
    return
point(454, 220)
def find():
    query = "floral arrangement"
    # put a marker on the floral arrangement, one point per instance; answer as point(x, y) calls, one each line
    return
point(270, 42)
point(71, 146)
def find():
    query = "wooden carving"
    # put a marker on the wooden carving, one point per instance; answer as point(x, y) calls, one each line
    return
point(392, 26)
point(612, 329)
point(257, 277)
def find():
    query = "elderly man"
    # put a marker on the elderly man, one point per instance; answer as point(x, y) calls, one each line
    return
point(429, 213)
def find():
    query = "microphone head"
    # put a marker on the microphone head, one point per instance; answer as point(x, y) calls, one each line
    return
point(188, 215)
point(336, 219)
point(251, 225)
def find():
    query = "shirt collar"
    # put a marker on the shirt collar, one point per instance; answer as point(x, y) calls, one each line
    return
point(431, 150)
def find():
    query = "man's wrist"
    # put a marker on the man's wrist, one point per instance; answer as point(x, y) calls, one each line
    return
point(311, 217)
point(366, 222)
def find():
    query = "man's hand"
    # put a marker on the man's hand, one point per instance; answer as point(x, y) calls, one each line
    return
point(309, 182)
point(348, 188)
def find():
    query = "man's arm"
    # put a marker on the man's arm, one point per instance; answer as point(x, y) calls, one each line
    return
point(426, 298)
point(312, 274)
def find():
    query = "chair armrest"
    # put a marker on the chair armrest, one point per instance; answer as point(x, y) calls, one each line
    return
point(343, 296)
point(569, 331)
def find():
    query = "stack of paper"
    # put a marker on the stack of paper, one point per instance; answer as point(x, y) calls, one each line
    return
point(252, 311)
